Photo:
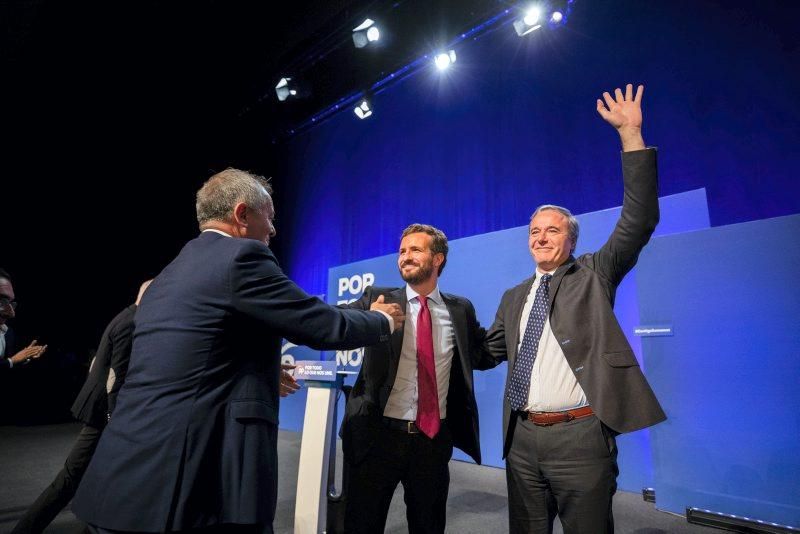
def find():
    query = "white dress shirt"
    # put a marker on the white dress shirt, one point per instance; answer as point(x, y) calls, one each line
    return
point(402, 402)
point(554, 387)
point(3, 330)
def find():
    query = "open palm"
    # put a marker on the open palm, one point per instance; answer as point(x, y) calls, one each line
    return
point(622, 111)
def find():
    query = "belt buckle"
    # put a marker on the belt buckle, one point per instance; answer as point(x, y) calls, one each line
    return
point(411, 428)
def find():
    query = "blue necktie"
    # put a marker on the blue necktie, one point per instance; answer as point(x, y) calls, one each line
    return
point(519, 387)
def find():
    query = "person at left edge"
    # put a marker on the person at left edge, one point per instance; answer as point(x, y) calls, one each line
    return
point(93, 407)
point(192, 445)
point(8, 306)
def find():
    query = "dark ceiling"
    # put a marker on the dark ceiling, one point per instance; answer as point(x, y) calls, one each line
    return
point(114, 113)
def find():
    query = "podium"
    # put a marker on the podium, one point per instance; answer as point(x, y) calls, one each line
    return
point(317, 455)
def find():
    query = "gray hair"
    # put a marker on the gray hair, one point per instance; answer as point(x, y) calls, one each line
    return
point(220, 194)
point(572, 223)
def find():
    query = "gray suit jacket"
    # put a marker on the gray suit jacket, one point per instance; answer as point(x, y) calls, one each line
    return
point(582, 317)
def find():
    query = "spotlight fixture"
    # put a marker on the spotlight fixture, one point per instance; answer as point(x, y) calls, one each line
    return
point(558, 11)
point(529, 22)
point(290, 88)
point(365, 33)
point(443, 60)
point(363, 109)
point(735, 523)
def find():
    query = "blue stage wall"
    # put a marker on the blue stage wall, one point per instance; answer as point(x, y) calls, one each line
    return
point(514, 125)
point(481, 268)
point(728, 377)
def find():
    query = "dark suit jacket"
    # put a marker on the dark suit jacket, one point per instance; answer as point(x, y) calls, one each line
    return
point(582, 317)
point(94, 402)
point(193, 439)
point(5, 363)
point(379, 369)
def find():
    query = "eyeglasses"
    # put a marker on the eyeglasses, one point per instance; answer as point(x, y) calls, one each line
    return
point(8, 303)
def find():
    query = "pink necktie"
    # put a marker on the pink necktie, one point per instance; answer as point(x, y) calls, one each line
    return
point(428, 403)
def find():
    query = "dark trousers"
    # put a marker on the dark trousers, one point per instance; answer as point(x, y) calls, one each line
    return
point(216, 529)
point(416, 461)
point(58, 494)
point(566, 469)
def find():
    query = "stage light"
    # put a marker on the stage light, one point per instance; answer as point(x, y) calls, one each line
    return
point(735, 523)
point(529, 22)
point(365, 33)
point(558, 11)
point(363, 109)
point(532, 16)
point(445, 59)
point(290, 88)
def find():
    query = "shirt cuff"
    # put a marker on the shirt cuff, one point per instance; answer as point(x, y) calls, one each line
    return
point(388, 318)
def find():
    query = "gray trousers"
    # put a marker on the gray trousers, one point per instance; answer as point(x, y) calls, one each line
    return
point(567, 470)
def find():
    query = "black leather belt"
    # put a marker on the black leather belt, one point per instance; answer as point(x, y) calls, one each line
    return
point(402, 425)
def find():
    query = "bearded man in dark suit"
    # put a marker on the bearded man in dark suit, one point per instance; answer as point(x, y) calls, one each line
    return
point(413, 399)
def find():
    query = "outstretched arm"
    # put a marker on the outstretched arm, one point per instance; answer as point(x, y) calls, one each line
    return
point(640, 212)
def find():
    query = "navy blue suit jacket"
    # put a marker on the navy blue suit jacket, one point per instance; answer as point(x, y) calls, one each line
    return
point(193, 439)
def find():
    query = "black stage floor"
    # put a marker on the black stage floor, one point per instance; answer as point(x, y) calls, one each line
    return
point(31, 456)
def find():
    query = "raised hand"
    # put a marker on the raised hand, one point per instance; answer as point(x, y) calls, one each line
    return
point(624, 112)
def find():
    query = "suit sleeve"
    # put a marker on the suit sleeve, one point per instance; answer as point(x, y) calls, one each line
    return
point(121, 338)
point(477, 335)
point(638, 220)
point(363, 302)
point(493, 350)
point(5, 365)
point(261, 290)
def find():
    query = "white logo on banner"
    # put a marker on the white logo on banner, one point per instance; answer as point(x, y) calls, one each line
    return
point(287, 358)
point(350, 290)
point(350, 358)
point(354, 286)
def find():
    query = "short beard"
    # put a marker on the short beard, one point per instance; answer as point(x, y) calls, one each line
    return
point(423, 274)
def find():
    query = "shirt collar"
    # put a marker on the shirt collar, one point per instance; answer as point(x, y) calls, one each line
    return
point(540, 273)
point(3, 329)
point(220, 232)
point(434, 295)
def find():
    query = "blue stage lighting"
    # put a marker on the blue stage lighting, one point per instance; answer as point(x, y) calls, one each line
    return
point(291, 88)
point(529, 22)
point(363, 109)
point(365, 33)
point(445, 59)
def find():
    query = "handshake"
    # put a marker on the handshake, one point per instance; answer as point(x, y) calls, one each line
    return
point(393, 310)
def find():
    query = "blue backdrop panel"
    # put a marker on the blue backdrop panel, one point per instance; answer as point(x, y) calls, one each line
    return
point(728, 377)
point(513, 125)
point(481, 268)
